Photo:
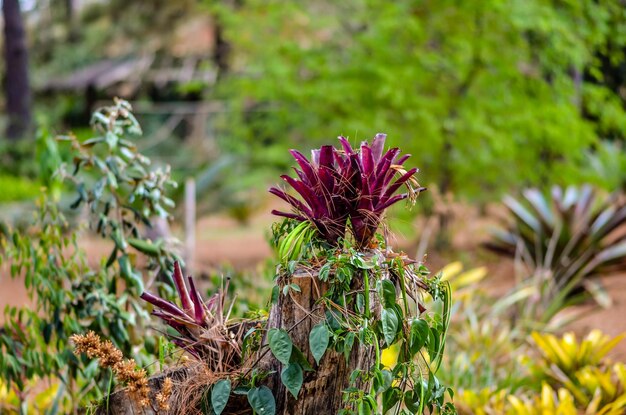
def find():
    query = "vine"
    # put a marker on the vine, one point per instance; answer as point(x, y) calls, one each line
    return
point(414, 324)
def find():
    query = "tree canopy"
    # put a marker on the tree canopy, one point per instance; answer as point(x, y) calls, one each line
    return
point(485, 94)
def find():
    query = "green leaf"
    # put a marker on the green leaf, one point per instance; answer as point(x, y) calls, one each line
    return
point(418, 335)
point(389, 321)
point(318, 341)
point(280, 344)
point(298, 357)
point(219, 395)
point(434, 350)
point(347, 345)
point(387, 380)
point(291, 266)
point(412, 401)
point(390, 398)
point(292, 378)
point(131, 276)
point(359, 262)
point(145, 247)
point(360, 303)
point(262, 401)
point(387, 293)
point(118, 238)
point(275, 293)
point(364, 408)
point(324, 271)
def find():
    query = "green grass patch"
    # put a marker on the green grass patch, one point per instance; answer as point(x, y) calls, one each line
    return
point(14, 189)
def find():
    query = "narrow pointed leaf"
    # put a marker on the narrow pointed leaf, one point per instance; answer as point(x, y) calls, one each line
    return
point(179, 281)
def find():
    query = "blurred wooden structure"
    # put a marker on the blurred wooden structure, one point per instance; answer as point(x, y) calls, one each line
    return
point(126, 77)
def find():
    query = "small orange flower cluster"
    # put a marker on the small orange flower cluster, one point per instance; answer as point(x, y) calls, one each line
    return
point(125, 370)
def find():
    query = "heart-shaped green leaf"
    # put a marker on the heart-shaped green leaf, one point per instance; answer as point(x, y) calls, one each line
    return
point(292, 378)
point(318, 341)
point(389, 321)
point(280, 344)
point(219, 395)
point(262, 401)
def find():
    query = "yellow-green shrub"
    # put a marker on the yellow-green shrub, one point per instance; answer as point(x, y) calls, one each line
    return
point(574, 378)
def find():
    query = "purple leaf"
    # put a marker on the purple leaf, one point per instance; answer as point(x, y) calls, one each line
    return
point(391, 201)
point(288, 215)
point(402, 159)
point(197, 303)
point(347, 148)
point(179, 282)
point(162, 304)
point(304, 164)
point(378, 145)
point(298, 205)
point(307, 194)
point(391, 190)
point(386, 161)
point(367, 161)
point(315, 157)
point(325, 169)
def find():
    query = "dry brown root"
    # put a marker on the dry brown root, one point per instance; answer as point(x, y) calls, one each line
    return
point(190, 391)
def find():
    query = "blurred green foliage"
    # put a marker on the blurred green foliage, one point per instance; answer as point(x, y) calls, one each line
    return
point(486, 95)
point(17, 188)
point(121, 193)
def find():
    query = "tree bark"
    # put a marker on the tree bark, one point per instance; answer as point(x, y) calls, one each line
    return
point(17, 87)
point(322, 389)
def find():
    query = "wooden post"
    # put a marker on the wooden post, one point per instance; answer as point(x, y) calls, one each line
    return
point(190, 223)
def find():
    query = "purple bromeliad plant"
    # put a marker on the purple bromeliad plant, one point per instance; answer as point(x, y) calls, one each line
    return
point(348, 189)
point(203, 327)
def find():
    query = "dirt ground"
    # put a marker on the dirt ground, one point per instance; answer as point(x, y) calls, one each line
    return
point(220, 240)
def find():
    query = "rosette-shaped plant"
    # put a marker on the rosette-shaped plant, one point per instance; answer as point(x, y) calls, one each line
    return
point(573, 235)
point(203, 327)
point(348, 189)
point(325, 184)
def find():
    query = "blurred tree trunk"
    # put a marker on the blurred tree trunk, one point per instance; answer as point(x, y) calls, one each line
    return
point(221, 53)
point(449, 133)
point(70, 20)
point(17, 88)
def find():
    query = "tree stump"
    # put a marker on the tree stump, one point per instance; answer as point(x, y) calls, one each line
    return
point(322, 389)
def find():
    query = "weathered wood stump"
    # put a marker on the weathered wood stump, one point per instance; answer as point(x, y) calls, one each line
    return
point(322, 389)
